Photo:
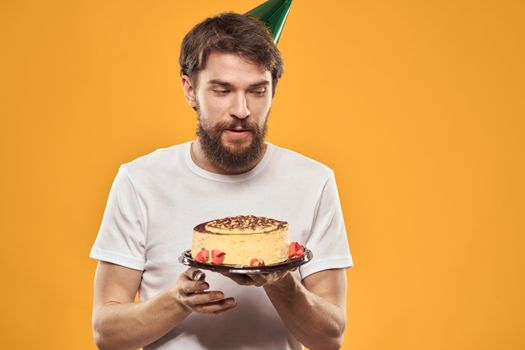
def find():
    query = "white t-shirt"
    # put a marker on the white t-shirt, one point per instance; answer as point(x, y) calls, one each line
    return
point(157, 199)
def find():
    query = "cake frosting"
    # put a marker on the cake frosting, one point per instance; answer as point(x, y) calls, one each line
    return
point(241, 240)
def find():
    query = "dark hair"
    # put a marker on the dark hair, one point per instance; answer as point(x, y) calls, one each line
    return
point(230, 33)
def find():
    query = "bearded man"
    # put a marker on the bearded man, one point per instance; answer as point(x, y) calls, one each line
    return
point(230, 68)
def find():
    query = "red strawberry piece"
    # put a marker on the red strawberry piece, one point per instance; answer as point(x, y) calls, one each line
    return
point(257, 262)
point(202, 256)
point(217, 256)
point(295, 250)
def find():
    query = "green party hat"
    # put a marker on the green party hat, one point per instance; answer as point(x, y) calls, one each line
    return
point(273, 13)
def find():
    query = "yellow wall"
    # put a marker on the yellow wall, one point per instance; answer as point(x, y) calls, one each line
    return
point(417, 105)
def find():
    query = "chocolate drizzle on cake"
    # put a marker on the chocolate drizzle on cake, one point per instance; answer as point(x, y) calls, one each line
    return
point(241, 224)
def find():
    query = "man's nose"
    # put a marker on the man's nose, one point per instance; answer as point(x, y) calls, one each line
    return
point(239, 108)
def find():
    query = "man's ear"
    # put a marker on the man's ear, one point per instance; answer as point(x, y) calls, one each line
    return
point(189, 91)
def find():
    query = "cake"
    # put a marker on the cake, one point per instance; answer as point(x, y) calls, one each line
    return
point(243, 241)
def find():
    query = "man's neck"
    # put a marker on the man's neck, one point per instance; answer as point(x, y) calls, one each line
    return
point(199, 158)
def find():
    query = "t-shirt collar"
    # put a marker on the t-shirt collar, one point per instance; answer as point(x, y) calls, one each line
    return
point(222, 177)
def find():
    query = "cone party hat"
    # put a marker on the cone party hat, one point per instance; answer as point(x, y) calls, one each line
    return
point(273, 13)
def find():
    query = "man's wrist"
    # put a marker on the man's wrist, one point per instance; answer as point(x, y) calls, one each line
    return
point(174, 305)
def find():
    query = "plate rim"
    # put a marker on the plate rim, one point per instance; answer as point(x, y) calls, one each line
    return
point(186, 259)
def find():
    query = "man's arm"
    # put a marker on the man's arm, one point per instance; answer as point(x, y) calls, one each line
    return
point(314, 311)
point(119, 323)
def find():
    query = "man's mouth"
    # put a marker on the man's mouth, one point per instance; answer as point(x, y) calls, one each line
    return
point(238, 130)
point(237, 133)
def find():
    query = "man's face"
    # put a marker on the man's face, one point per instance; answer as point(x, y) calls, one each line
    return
point(233, 98)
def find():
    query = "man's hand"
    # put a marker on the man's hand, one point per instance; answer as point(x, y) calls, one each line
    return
point(119, 322)
point(257, 280)
point(190, 291)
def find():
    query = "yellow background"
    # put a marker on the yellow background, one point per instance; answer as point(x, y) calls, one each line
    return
point(418, 106)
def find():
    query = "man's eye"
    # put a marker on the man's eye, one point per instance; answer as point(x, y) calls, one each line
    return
point(221, 92)
point(259, 92)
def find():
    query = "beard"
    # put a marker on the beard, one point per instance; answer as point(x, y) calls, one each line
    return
point(238, 158)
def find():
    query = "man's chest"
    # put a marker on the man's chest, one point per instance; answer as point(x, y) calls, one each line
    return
point(170, 221)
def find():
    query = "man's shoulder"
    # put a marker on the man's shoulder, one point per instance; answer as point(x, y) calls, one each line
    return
point(299, 162)
point(155, 161)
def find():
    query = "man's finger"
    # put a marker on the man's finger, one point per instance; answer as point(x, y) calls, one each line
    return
point(195, 274)
point(259, 280)
point(190, 287)
point(216, 307)
point(267, 278)
point(194, 300)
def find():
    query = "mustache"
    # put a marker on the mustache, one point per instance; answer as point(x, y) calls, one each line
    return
point(243, 124)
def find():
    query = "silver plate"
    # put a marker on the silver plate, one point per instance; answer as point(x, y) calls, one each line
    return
point(186, 259)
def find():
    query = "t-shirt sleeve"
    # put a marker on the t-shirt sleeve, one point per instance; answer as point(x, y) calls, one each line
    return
point(121, 238)
point(327, 240)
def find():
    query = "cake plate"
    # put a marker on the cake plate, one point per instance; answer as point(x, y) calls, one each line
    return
point(289, 264)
